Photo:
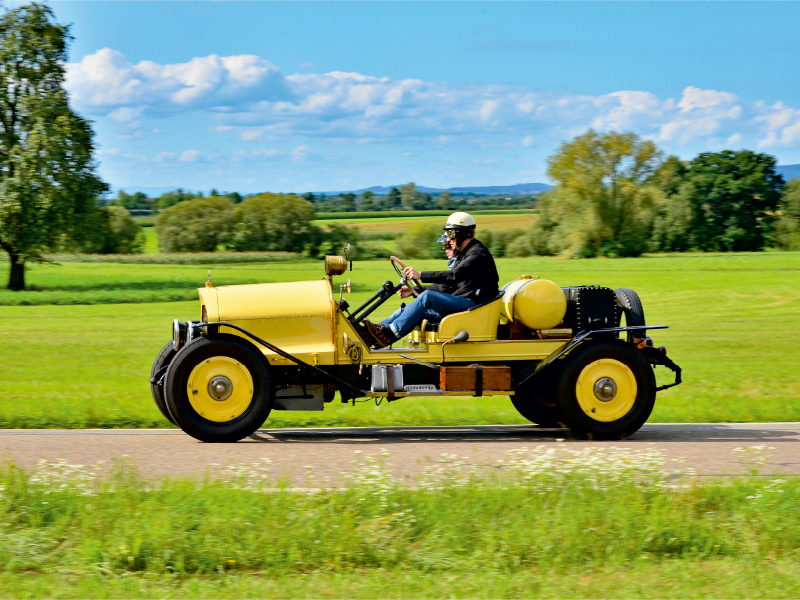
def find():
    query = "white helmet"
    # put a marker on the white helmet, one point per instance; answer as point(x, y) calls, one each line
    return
point(460, 220)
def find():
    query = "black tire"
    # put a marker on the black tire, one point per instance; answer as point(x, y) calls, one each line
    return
point(185, 414)
point(633, 310)
point(579, 419)
point(538, 402)
point(164, 358)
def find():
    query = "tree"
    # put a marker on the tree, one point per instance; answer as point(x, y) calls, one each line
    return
point(137, 201)
point(113, 232)
point(273, 222)
point(48, 185)
point(673, 223)
point(347, 202)
point(445, 202)
point(168, 199)
point(410, 196)
point(309, 197)
point(393, 199)
point(604, 201)
point(787, 227)
point(198, 225)
point(732, 197)
point(368, 200)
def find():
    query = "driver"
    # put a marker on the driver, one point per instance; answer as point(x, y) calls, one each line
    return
point(471, 280)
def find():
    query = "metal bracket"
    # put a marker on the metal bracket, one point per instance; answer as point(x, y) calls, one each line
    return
point(158, 377)
point(657, 357)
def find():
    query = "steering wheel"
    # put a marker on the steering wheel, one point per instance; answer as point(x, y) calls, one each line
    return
point(395, 262)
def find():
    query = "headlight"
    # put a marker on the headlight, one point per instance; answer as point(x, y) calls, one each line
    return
point(178, 334)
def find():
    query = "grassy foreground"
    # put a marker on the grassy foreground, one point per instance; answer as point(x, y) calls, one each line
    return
point(598, 524)
point(735, 324)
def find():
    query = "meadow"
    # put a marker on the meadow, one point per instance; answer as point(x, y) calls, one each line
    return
point(734, 318)
point(590, 524)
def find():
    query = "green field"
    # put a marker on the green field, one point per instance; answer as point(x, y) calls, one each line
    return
point(735, 329)
point(541, 527)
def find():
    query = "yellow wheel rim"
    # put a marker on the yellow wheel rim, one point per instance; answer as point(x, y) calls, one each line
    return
point(220, 388)
point(606, 390)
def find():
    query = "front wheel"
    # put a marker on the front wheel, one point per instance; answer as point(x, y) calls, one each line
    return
point(607, 391)
point(219, 390)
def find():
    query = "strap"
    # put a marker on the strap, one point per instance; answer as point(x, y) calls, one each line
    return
point(390, 382)
point(479, 380)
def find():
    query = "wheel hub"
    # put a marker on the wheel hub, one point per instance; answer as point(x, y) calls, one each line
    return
point(605, 389)
point(220, 388)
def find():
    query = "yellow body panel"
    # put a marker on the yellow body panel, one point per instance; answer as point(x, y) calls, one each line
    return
point(489, 351)
point(481, 323)
point(538, 303)
point(296, 317)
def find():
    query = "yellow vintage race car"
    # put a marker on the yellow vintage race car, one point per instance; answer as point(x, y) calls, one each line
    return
point(560, 354)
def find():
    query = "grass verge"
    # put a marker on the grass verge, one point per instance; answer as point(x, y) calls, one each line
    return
point(592, 519)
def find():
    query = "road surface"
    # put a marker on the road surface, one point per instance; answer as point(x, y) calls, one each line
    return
point(706, 447)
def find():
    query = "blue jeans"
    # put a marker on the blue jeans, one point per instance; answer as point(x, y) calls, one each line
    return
point(430, 305)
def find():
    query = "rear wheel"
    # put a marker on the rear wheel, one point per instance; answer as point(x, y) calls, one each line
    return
point(607, 391)
point(219, 390)
point(162, 360)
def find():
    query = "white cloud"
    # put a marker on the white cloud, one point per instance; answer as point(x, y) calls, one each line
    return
point(251, 134)
point(189, 156)
point(106, 83)
point(250, 95)
point(163, 156)
point(157, 130)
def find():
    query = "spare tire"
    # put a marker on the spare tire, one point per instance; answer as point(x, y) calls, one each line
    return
point(632, 308)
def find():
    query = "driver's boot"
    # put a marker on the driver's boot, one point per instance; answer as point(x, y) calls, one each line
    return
point(383, 336)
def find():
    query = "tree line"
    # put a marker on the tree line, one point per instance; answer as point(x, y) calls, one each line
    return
point(405, 197)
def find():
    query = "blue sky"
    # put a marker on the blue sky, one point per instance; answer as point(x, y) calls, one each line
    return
point(256, 96)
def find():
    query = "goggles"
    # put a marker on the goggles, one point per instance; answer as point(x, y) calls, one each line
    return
point(442, 239)
point(451, 234)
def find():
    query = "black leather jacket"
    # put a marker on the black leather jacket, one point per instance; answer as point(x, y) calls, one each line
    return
point(473, 275)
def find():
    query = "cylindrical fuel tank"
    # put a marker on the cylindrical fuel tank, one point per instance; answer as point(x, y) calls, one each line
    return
point(537, 303)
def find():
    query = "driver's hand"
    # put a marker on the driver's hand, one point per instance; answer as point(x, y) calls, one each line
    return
point(412, 273)
point(404, 292)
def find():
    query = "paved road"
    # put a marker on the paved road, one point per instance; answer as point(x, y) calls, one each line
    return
point(707, 447)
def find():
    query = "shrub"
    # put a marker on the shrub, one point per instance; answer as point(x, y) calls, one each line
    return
point(420, 242)
point(195, 225)
point(273, 222)
point(112, 231)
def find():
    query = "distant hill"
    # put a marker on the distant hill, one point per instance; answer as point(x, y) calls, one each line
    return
point(519, 188)
point(788, 171)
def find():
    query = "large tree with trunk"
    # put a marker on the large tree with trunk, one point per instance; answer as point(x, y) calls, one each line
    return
point(48, 183)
